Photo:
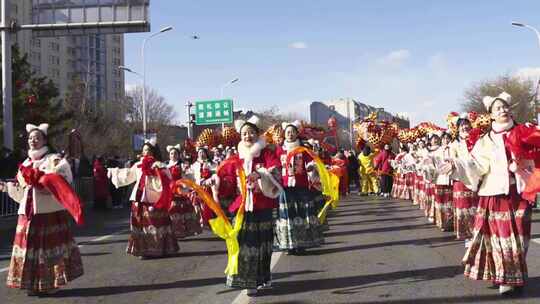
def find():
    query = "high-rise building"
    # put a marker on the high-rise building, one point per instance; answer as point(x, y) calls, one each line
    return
point(93, 59)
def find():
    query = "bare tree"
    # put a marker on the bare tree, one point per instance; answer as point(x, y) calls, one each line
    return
point(523, 96)
point(158, 111)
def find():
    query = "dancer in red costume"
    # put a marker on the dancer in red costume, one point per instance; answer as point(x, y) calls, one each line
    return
point(45, 255)
point(499, 167)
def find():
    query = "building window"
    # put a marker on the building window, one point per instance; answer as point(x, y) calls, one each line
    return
point(36, 42)
point(55, 46)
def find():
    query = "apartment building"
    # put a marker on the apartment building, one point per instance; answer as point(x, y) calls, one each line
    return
point(347, 111)
point(93, 59)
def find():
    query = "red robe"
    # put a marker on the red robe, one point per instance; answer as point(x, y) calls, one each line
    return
point(267, 159)
point(101, 183)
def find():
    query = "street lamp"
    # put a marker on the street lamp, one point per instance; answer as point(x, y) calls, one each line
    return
point(519, 24)
point(221, 94)
point(226, 85)
point(124, 68)
point(163, 30)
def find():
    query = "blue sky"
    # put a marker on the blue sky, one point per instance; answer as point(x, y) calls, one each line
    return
point(413, 57)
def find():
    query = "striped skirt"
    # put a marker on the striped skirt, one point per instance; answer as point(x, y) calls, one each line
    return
point(407, 188)
point(444, 211)
point(502, 230)
point(255, 239)
point(465, 202)
point(185, 221)
point(297, 225)
point(397, 187)
point(429, 200)
point(44, 256)
point(151, 232)
point(419, 191)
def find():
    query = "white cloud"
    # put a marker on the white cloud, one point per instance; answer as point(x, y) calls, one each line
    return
point(530, 73)
point(298, 45)
point(395, 58)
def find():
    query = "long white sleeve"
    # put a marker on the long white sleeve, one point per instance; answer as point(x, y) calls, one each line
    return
point(469, 169)
point(121, 177)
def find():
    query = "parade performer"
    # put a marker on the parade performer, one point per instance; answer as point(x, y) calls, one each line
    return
point(339, 165)
point(465, 200)
point(45, 255)
point(151, 229)
point(201, 172)
point(399, 177)
point(419, 187)
point(442, 194)
point(297, 227)
point(498, 167)
point(256, 236)
point(434, 142)
point(368, 179)
point(101, 185)
point(382, 165)
point(315, 184)
point(406, 167)
point(185, 221)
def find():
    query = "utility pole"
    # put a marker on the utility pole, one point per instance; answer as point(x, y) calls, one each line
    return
point(189, 105)
point(7, 98)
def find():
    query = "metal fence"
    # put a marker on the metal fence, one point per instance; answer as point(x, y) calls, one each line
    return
point(8, 207)
point(84, 187)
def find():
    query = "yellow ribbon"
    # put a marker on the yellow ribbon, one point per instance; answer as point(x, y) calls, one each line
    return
point(329, 181)
point(221, 225)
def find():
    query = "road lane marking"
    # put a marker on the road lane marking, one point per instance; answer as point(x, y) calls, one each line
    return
point(242, 297)
point(101, 238)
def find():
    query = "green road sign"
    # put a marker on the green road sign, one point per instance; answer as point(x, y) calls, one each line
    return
point(209, 112)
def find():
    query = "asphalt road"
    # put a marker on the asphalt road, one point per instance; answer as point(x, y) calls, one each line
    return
point(376, 251)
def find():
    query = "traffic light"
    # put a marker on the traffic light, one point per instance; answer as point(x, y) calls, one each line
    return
point(192, 118)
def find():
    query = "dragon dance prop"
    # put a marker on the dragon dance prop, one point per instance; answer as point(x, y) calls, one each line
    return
point(329, 181)
point(221, 225)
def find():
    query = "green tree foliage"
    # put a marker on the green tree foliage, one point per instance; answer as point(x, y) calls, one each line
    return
point(35, 100)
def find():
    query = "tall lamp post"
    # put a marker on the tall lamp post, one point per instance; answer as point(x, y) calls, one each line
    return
point(519, 24)
point(163, 30)
point(221, 94)
point(226, 85)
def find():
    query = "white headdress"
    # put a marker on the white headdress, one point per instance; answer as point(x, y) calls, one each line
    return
point(297, 124)
point(152, 141)
point(433, 133)
point(42, 127)
point(313, 142)
point(177, 147)
point(489, 100)
point(238, 124)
